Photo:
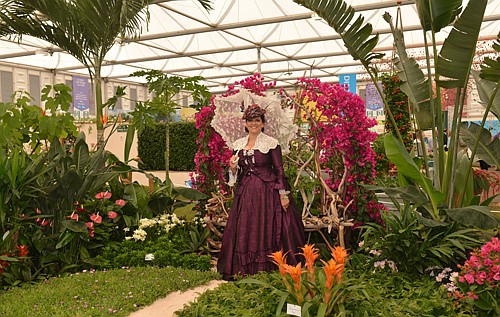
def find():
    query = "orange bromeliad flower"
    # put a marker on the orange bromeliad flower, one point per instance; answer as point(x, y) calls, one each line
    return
point(280, 260)
point(310, 253)
point(295, 273)
point(330, 269)
point(339, 254)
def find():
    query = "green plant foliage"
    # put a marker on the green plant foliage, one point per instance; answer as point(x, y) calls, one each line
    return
point(414, 243)
point(100, 293)
point(183, 147)
point(491, 68)
point(235, 299)
point(172, 249)
point(458, 51)
point(436, 14)
point(385, 294)
point(21, 122)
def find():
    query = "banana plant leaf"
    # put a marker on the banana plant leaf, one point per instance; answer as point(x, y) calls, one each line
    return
point(137, 195)
point(490, 70)
point(397, 154)
point(488, 149)
point(355, 33)
point(477, 216)
point(189, 194)
point(415, 84)
point(486, 90)
point(443, 13)
point(462, 179)
point(458, 51)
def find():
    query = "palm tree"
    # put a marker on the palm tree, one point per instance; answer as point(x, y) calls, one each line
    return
point(86, 29)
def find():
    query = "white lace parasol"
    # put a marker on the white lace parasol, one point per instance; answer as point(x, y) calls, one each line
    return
point(229, 124)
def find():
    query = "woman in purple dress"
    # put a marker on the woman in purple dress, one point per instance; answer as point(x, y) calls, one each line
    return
point(264, 218)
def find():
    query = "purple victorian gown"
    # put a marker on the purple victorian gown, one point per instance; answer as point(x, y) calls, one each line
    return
point(257, 224)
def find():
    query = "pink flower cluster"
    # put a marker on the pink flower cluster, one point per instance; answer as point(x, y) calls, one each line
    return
point(345, 138)
point(483, 267)
point(95, 217)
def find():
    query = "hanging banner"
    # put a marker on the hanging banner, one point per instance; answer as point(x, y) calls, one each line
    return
point(81, 93)
point(348, 81)
point(373, 99)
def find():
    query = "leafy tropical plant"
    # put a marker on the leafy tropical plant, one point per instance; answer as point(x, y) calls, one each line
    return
point(443, 189)
point(86, 29)
point(22, 122)
point(412, 247)
point(165, 88)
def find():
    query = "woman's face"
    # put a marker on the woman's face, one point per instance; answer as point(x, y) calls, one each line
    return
point(254, 125)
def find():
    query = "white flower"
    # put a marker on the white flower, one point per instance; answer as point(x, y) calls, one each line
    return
point(149, 257)
point(126, 229)
point(139, 234)
point(361, 244)
point(128, 238)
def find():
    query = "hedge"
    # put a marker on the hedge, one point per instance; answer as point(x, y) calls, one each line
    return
point(183, 147)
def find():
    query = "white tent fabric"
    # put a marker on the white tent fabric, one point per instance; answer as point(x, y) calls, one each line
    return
point(278, 38)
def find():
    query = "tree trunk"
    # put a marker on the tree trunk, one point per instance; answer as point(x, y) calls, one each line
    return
point(99, 112)
point(167, 146)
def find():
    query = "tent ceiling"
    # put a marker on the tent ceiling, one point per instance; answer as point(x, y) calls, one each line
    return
point(226, 44)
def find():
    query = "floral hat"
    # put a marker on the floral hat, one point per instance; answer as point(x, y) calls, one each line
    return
point(253, 111)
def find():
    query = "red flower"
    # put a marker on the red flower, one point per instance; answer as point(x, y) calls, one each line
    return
point(73, 217)
point(120, 202)
point(112, 214)
point(44, 222)
point(23, 250)
point(81, 210)
point(103, 195)
point(96, 218)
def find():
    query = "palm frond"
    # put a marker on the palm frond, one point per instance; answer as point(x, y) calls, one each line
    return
point(488, 147)
point(490, 70)
point(456, 56)
point(355, 33)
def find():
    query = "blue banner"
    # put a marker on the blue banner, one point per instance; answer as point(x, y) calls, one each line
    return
point(81, 93)
point(348, 81)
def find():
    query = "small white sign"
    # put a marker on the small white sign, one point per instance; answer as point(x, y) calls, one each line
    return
point(293, 310)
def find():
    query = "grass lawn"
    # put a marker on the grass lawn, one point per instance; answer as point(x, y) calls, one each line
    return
point(99, 293)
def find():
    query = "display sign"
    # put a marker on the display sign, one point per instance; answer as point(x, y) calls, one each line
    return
point(348, 81)
point(81, 93)
point(373, 99)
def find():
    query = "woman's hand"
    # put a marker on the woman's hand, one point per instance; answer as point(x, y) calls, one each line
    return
point(233, 163)
point(285, 202)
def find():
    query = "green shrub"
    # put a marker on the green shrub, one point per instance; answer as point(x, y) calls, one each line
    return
point(183, 147)
point(167, 250)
